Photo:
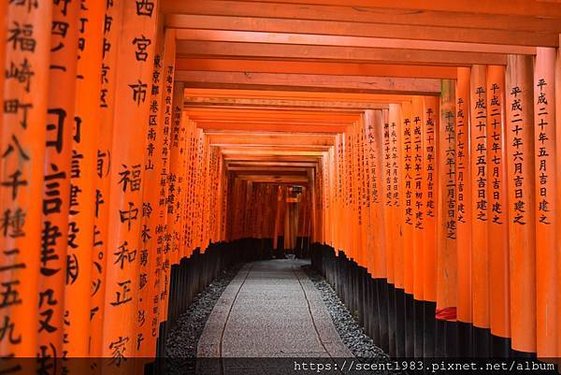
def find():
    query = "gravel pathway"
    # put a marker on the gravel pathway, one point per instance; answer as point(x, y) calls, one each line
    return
point(184, 337)
point(351, 333)
point(182, 340)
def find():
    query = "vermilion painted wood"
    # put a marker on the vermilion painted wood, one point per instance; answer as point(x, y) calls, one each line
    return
point(431, 32)
point(546, 159)
point(101, 228)
point(60, 130)
point(464, 194)
point(447, 19)
point(499, 285)
point(431, 126)
point(82, 216)
point(407, 170)
point(125, 204)
point(312, 67)
point(520, 168)
point(21, 246)
point(479, 180)
point(447, 260)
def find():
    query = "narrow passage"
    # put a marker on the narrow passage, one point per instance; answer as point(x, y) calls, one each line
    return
point(271, 309)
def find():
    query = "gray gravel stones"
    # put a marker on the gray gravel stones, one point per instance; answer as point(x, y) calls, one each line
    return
point(184, 337)
point(351, 333)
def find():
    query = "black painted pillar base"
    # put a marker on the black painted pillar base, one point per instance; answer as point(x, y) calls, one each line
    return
point(400, 325)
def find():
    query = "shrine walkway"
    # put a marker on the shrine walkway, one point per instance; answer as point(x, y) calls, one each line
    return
point(271, 309)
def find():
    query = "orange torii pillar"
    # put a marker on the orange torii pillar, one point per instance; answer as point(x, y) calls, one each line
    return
point(546, 174)
point(464, 207)
point(22, 149)
point(176, 173)
point(447, 281)
point(404, 299)
point(414, 311)
point(521, 193)
point(121, 338)
point(56, 187)
point(478, 135)
point(83, 183)
point(394, 253)
point(431, 126)
point(163, 234)
point(499, 289)
point(154, 219)
point(108, 70)
point(557, 125)
point(373, 144)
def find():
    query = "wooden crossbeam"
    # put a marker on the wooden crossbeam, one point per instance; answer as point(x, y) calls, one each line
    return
point(209, 114)
point(319, 68)
point(431, 32)
point(287, 52)
point(528, 8)
point(360, 98)
point(451, 21)
point(290, 38)
point(258, 139)
point(274, 127)
point(271, 163)
point(414, 86)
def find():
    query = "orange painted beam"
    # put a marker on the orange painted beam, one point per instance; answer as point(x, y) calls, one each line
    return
point(268, 127)
point(309, 82)
point(414, 33)
point(504, 7)
point(335, 54)
point(367, 14)
point(361, 98)
point(314, 39)
point(209, 114)
point(312, 67)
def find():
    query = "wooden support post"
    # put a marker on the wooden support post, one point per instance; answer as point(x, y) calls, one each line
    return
point(497, 159)
point(61, 128)
point(520, 170)
point(407, 172)
point(546, 173)
point(431, 110)
point(558, 187)
point(134, 71)
point(447, 280)
point(22, 145)
point(464, 196)
point(478, 135)
point(418, 197)
point(83, 184)
point(107, 97)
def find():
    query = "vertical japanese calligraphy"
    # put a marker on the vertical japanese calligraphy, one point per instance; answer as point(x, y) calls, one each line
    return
point(22, 149)
point(520, 169)
point(130, 115)
point(478, 135)
point(83, 181)
point(499, 293)
point(547, 246)
point(447, 228)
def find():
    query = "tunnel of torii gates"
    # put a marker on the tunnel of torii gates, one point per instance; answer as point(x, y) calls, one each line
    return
point(415, 146)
